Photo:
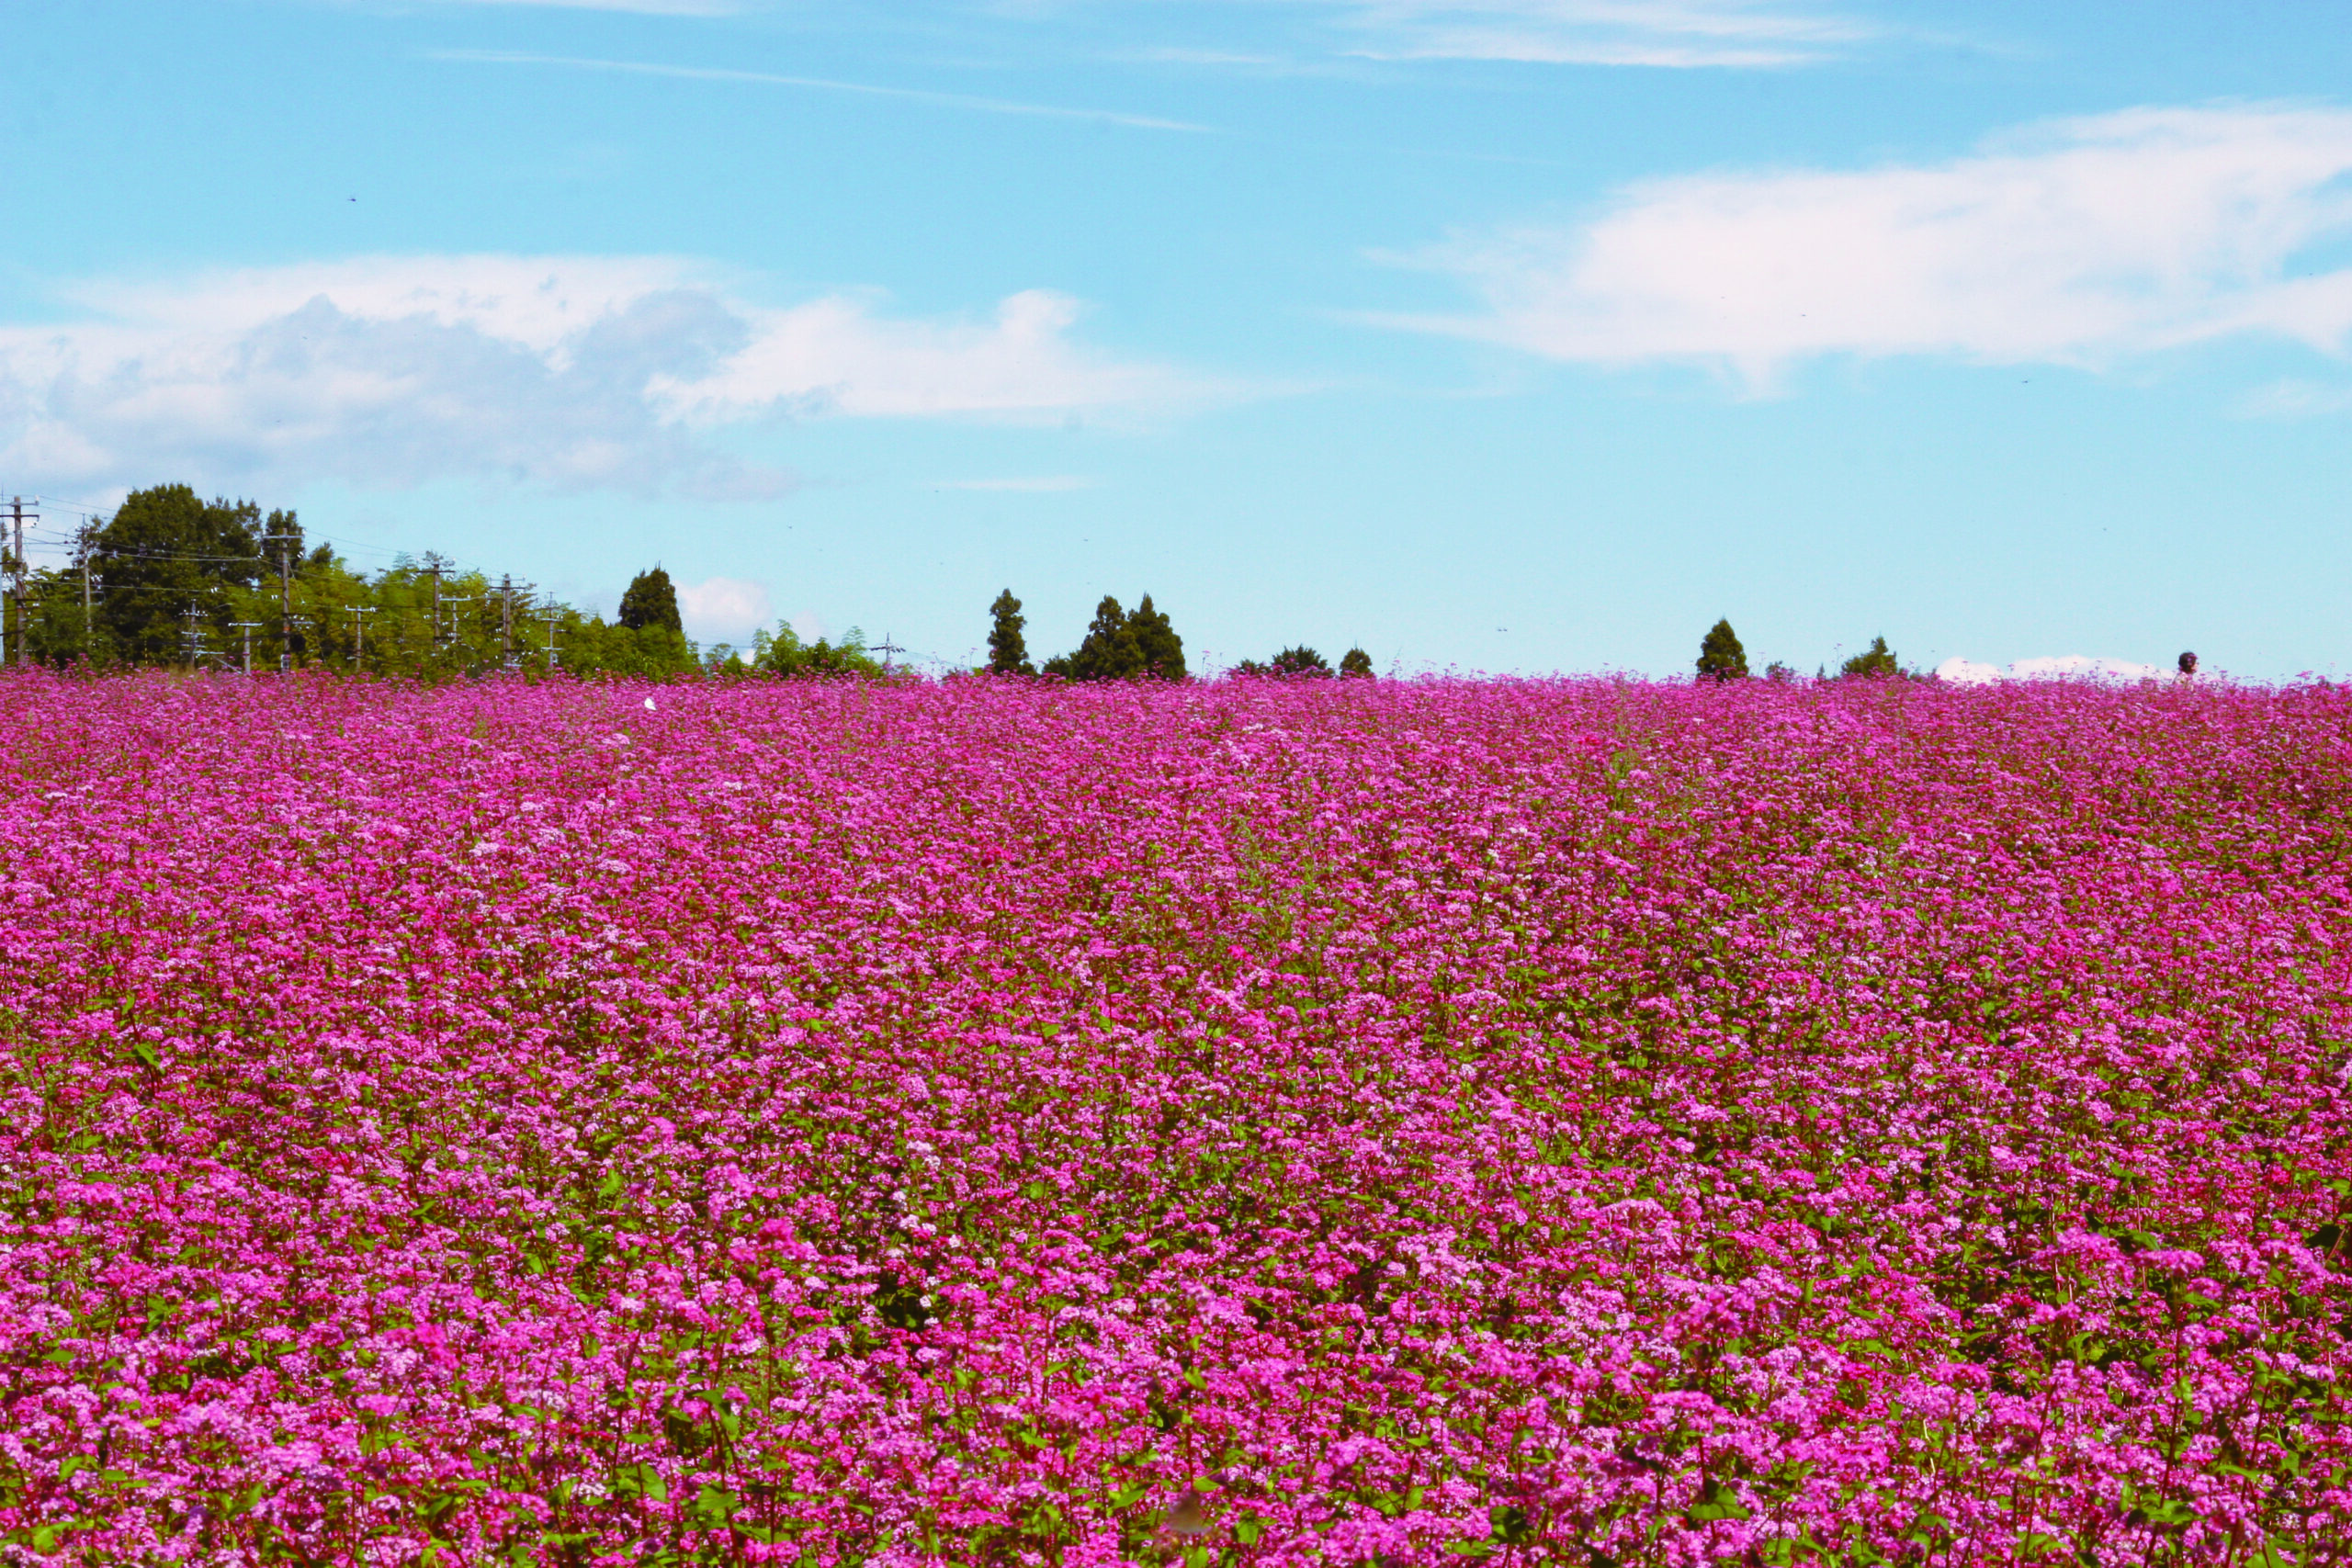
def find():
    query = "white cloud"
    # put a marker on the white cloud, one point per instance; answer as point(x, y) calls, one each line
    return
point(1676, 34)
point(728, 607)
point(835, 356)
point(1960, 672)
point(567, 372)
point(1039, 484)
point(2080, 244)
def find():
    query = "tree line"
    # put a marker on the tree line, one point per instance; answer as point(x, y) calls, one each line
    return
point(1721, 657)
point(1132, 645)
point(173, 579)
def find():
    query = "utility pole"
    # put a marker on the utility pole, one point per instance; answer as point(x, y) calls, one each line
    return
point(455, 600)
point(435, 619)
point(87, 552)
point(16, 565)
point(550, 617)
point(285, 543)
point(887, 647)
point(359, 635)
point(193, 643)
point(508, 587)
point(247, 628)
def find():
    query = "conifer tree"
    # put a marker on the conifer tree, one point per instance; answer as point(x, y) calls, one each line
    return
point(1008, 650)
point(1155, 639)
point(1108, 652)
point(1121, 647)
point(651, 601)
point(1355, 662)
point(1720, 655)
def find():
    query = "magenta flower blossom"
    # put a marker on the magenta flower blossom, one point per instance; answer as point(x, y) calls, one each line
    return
point(1579, 1121)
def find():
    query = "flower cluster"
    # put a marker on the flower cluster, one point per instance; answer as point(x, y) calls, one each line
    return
point(992, 1121)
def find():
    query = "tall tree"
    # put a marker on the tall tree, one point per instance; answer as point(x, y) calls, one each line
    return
point(1355, 662)
point(1008, 650)
point(1109, 652)
point(1720, 655)
point(1121, 646)
point(1875, 661)
point(651, 601)
point(1163, 649)
point(164, 552)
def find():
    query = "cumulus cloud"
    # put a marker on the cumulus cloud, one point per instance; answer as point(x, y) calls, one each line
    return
point(2080, 243)
point(1678, 34)
point(728, 607)
point(570, 373)
point(1960, 672)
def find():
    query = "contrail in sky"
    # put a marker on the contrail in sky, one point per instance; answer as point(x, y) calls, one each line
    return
point(820, 84)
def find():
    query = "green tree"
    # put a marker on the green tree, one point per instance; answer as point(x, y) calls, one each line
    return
point(1008, 650)
point(162, 554)
point(1299, 660)
point(1163, 649)
point(1875, 661)
point(1123, 647)
point(1720, 655)
point(651, 601)
point(783, 653)
point(1109, 651)
point(1355, 662)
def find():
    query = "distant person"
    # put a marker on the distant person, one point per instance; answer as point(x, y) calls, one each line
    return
point(2187, 666)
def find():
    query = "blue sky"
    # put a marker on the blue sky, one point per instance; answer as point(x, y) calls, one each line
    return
point(1490, 335)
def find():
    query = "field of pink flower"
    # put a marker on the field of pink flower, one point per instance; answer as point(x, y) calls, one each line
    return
point(1585, 1121)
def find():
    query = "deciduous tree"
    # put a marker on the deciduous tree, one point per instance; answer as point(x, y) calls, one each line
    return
point(1872, 661)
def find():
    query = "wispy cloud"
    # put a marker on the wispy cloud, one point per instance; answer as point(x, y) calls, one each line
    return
point(640, 7)
point(2296, 399)
point(2080, 243)
point(818, 84)
point(1672, 34)
point(1040, 484)
point(567, 372)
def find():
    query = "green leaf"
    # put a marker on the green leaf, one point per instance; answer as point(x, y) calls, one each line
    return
point(632, 1480)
